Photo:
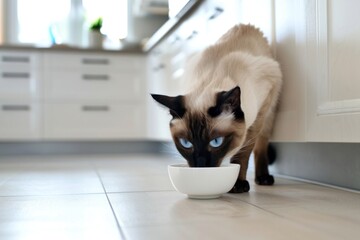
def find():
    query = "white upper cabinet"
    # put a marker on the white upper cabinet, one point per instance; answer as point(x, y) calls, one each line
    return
point(289, 45)
point(333, 86)
point(317, 45)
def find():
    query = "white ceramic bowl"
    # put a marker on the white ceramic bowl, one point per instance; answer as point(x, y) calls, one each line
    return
point(203, 183)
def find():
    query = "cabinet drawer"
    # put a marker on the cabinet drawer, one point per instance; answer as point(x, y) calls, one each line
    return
point(20, 120)
point(93, 61)
point(29, 60)
point(19, 83)
point(94, 121)
point(93, 85)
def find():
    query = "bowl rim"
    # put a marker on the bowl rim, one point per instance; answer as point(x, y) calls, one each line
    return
point(186, 166)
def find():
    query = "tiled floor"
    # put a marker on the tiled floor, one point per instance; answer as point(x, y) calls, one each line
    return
point(131, 197)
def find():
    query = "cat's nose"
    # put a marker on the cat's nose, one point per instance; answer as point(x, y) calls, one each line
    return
point(201, 162)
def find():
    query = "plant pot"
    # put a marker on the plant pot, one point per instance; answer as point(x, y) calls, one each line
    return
point(95, 39)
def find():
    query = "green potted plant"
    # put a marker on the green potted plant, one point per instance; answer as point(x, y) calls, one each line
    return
point(95, 36)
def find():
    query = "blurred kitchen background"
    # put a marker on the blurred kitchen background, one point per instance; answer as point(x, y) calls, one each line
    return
point(75, 76)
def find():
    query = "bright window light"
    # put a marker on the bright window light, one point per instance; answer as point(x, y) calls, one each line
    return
point(39, 19)
point(36, 16)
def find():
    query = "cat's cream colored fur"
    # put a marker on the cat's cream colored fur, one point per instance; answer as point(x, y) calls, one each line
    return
point(240, 62)
point(242, 57)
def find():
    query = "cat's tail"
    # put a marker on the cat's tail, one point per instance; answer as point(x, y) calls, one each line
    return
point(271, 154)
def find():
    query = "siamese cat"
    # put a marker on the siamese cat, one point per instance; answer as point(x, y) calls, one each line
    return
point(229, 108)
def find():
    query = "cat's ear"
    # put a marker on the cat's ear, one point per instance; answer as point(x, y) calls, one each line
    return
point(228, 101)
point(174, 104)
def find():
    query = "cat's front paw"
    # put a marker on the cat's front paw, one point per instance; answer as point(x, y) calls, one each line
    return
point(240, 186)
point(265, 180)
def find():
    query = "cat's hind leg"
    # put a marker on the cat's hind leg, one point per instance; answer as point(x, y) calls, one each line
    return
point(262, 176)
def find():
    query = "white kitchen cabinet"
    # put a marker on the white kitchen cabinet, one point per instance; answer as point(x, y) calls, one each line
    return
point(158, 117)
point(100, 61)
point(20, 92)
point(18, 82)
point(94, 96)
point(21, 59)
point(47, 95)
point(333, 87)
point(220, 16)
point(317, 44)
point(290, 50)
point(94, 84)
point(20, 120)
point(20, 75)
point(93, 121)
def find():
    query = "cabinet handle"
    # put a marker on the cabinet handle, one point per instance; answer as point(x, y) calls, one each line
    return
point(95, 61)
point(16, 108)
point(217, 12)
point(192, 35)
point(15, 59)
point(89, 108)
point(159, 67)
point(95, 77)
point(176, 39)
point(15, 75)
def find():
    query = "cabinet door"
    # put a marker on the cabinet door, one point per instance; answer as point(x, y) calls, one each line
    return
point(93, 84)
point(158, 117)
point(29, 60)
point(333, 60)
point(20, 120)
point(101, 62)
point(19, 83)
point(221, 16)
point(290, 51)
point(93, 121)
point(20, 75)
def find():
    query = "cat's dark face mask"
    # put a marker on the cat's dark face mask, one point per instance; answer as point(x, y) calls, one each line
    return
point(205, 138)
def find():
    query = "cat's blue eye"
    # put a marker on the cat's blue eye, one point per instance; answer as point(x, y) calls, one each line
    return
point(216, 142)
point(185, 143)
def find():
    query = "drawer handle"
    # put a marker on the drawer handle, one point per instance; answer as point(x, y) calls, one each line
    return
point(175, 40)
point(95, 108)
point(15, 75)
point(16, 108)
point(95, 77)
point(192, 35)
point(217, 12)
point(15, 59)
point(159, 67)
point(92, 61)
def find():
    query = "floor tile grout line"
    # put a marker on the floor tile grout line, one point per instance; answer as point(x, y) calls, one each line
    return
point(276, 214)
point(51, 195)
point(311, 182)
point(122, 234)
point(141, 191)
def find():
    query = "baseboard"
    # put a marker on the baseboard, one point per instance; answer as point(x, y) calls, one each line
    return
point(336, 164)
point(80, 147)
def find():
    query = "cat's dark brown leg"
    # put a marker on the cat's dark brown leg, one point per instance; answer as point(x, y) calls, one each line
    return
point(242, 158)
point(262, 176)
